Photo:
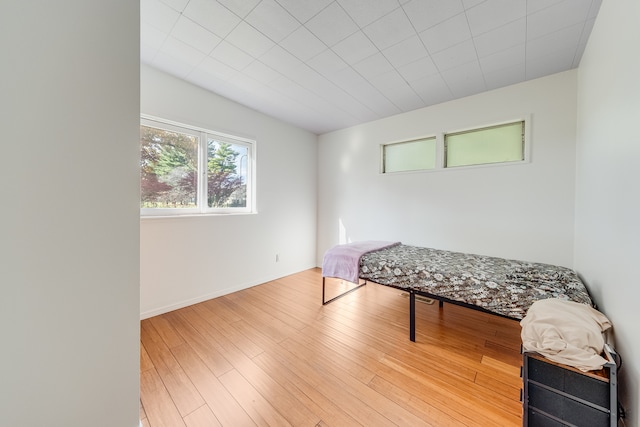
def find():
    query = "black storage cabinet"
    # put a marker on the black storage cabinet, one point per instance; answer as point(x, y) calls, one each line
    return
point(557, 395)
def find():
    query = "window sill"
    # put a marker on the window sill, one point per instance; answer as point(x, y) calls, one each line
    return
point(196, 215)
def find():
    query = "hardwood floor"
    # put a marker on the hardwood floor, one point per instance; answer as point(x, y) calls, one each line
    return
point(272, 355)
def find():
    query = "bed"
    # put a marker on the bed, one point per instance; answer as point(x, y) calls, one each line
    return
point(499, 286)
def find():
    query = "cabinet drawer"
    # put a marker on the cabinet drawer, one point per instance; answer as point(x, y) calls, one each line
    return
point(584, 387)
point(565, 408)
point(538, 419)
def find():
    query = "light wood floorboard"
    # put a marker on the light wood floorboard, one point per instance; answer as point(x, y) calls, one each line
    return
point(273, 355)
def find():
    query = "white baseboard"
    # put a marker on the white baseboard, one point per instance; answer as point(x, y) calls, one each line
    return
point(219, 293)
point(186, 303)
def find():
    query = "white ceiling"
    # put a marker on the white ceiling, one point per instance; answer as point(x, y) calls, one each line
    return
point(325, 65)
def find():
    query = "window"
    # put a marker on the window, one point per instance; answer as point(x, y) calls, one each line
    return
point(497, 144)
point(186, 170)
point(419, 154)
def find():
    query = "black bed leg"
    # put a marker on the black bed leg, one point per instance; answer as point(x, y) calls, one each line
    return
point(323, 303)
point(441, 303)
point(412, 316)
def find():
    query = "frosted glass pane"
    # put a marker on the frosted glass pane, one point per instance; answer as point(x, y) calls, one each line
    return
point(409, 156)
point(496, 144)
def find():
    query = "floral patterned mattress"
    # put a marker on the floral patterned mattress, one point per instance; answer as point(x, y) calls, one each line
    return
point(502, 286)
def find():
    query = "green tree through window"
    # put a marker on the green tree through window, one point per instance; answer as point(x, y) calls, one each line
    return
point(223, 178)
point(184, 171)
point(168, 165)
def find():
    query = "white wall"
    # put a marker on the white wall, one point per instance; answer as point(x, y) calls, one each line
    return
point(187, 260)
point(69, 293)
point(518, 211)
point(607, 226)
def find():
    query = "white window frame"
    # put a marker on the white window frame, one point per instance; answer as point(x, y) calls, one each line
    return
point(440, 148)
point(203, 136)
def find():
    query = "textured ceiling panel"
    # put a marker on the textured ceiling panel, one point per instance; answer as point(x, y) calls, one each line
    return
point(328, 64)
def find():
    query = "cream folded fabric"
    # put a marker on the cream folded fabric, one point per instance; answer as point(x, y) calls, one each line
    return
point(565, 332)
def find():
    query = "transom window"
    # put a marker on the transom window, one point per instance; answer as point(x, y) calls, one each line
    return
point(497, 144)
point(419, 154)
point(185, 170)
point(494, 144)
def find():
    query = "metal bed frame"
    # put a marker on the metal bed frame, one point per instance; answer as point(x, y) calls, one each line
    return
point(412, 303)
